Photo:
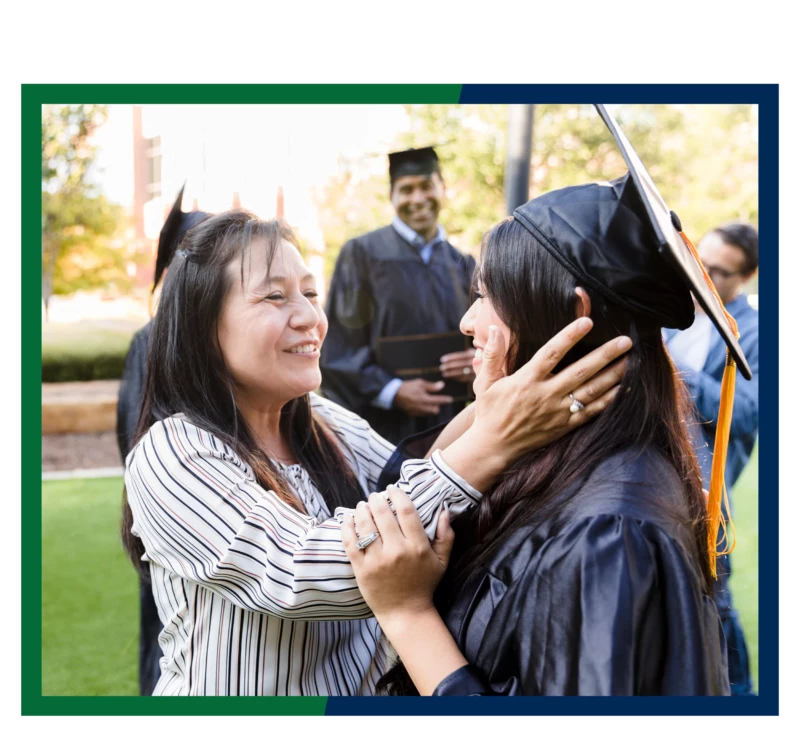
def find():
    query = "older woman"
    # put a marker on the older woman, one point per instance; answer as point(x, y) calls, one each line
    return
point(238, 485)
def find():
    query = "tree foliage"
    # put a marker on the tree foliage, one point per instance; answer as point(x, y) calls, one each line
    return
point(703, 158)
point(78, 223)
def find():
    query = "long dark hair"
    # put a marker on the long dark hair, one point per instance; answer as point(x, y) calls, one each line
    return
point(535, 296)
point(186, 372)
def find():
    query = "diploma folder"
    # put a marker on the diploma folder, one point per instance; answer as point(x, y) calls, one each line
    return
point(417, 357)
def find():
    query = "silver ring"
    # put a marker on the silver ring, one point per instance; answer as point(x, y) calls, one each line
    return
point(467, 371)
point(576, 405)
point(363, 542)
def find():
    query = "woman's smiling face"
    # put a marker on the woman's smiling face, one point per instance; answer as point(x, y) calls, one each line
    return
point(476, 322)
point(271, 330)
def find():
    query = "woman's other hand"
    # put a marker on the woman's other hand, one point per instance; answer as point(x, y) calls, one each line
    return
point(398, 572)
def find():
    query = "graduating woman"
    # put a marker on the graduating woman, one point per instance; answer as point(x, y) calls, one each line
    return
point(586, 570)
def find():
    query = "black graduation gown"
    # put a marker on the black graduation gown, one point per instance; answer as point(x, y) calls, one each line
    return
point(381, 287)
point(606, 600)
point(131, 391)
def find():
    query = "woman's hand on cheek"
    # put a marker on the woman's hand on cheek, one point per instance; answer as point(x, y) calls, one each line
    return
point(493, 362)
point(399, 572)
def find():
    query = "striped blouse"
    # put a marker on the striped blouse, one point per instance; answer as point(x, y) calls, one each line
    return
point(255, 597)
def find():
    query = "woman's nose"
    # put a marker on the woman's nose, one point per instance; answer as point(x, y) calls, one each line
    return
point(304, 317)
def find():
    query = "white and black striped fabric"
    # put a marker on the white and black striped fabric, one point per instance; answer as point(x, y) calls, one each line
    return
point(255, 597)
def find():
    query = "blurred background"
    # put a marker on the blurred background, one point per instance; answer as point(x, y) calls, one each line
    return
point(110, 175)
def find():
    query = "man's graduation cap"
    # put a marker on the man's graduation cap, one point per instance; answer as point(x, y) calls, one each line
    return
point(177, 224)
point(413, 162)
point(621, 239)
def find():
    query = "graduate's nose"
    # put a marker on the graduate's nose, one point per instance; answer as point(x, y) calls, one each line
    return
point(467, 323)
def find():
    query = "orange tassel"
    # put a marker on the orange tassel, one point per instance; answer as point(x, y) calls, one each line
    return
point(717, 493)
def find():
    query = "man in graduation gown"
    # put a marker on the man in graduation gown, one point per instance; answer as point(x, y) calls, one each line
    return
point(401, 280)
point(129, 403)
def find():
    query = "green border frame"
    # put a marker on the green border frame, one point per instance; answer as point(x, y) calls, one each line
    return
point(33, 97)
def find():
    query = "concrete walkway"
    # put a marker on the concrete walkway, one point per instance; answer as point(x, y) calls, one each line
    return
point(83, 473)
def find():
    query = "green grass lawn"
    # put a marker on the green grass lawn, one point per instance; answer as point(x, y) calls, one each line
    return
point(744, 581)
point(90, 599)
point(90, 603)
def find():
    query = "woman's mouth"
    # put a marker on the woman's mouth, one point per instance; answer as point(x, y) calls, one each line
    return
point(304, 349)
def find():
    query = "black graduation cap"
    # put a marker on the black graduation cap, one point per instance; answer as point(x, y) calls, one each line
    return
point(621, 238)
point(177, 224)
point(676, 246)
point(413, 162)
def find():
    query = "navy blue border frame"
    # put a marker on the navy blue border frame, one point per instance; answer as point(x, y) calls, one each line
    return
point(765, 96)
point(766, 703)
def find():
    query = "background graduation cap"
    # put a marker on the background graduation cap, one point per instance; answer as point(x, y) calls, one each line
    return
point(177, 224)
point(675, 246)
point(413, 162)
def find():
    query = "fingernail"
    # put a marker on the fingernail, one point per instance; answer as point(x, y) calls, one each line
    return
point(492, 333)
point(584, 323)
point(624, 343)
point(440, 385)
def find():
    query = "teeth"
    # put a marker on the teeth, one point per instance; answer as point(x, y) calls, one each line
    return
point(304, 349)
point(479, 353)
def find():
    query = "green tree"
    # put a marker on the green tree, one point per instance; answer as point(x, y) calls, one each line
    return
point(353, 202)
point(703, 158)
point(78, 223)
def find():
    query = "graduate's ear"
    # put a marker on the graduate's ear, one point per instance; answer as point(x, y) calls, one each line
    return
point(583, 307)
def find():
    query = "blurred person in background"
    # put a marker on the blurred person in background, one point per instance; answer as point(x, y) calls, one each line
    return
point(730, 256)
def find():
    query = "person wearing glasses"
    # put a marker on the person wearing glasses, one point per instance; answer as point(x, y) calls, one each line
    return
point(730, 256)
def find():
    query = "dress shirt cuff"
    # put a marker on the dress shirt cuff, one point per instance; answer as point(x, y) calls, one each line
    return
point(386, 397)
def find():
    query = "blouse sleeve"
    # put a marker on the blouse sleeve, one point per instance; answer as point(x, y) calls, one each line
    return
point(201, 514)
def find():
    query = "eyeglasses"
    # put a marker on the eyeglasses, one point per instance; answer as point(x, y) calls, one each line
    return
point(715, 271)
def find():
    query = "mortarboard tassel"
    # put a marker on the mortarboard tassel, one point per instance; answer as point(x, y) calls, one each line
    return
point(717, 493)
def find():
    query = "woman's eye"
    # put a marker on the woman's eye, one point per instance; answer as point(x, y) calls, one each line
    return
point(311, 294)
point(274, 297)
